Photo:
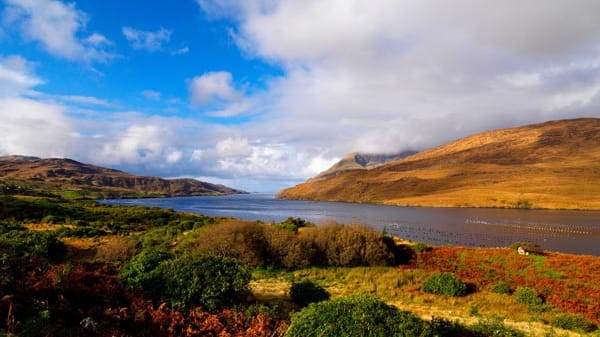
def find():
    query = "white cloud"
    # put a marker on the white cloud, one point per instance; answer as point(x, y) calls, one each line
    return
point(32, 128)
point(147, 40)
point(181, 51)
point(57, 27)
point(84, 100)
point(233, 147)
point(151, 95)
point(212, 86)
point(16, 76)
point(388, 75)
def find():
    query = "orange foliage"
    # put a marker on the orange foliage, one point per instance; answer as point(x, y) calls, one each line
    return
point(568, 282)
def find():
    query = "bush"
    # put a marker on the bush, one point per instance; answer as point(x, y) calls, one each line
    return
point(244, 241)
point(292, 224)
point(262, 245)
point(350, 246)
point(421, 247)
point(573, 322)
point(360, 315)
point(210, 281)
point(445, 284)
point(140, 272)
point(528, 296)
point(305, 292)
point(502, 287)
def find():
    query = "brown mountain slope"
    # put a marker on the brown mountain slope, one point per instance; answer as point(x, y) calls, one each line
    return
point(549, 165)
point(361, 161)
point(58, 175)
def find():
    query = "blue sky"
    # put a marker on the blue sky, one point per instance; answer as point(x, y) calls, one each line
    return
point(262, 94)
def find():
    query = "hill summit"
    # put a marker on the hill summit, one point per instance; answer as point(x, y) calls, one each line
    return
point(549, 165)
point(57, 175)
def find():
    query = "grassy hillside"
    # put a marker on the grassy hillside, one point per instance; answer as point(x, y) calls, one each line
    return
point(549, 165)
point(72, 179)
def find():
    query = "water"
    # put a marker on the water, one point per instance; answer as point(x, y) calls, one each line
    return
point(564, 231)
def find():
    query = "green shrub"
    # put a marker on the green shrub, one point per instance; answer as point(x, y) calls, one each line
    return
point(305, 292)
point(140, 272)
point(573, 322)
point(502, 287)
point(445, 284)
point(360, 315)
point(421, 247)
point(492, 327)
point(209, 281)
point(528, 296)
point(292, 224)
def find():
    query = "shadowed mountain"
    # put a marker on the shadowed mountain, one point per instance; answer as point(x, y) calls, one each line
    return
point(361, 161)
point(550, 165)
point(55, 175)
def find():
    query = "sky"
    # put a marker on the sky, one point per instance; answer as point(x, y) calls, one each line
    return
point(263, 94)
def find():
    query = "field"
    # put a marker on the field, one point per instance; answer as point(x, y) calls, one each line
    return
point(63, 263)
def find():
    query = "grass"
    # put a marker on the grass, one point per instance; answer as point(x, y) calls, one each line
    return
point(401, 288)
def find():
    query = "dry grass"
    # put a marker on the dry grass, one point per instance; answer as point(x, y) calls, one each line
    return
point(552, 165)
point(402, 289)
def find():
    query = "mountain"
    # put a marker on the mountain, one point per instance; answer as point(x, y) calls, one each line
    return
point(361, 161)
point(550, 165)
point(55, 175)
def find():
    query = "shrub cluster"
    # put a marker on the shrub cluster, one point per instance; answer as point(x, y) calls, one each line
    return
point(359, 315)
point(265, 245)
point(502, 287)
point(445, 284)
point(529, 297)
point(573, 322)
point(210, 281)
point(305, 292)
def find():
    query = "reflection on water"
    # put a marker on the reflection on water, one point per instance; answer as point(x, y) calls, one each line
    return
point(565, 231)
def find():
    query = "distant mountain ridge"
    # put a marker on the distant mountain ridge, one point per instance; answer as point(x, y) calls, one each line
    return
point(361, 161)
point(61, 174)
point(552, 165)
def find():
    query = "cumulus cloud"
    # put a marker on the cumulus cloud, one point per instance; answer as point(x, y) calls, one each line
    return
point(213, 86)
point(57, 26)
point(16, 76)
point(33, 128)
point(389, 75)
point(147, 40)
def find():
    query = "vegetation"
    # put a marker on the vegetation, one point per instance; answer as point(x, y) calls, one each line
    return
point(446, 284)
point(259, 245)
point(528, 296)
point(72, 268)
point(359, 315)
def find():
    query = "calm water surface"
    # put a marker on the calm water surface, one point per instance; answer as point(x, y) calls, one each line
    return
point(565, 231)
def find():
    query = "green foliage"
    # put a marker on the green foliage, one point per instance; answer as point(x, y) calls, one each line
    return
point(573, 322)
point(305, 292)
point(359, 315)
point(141, 271)
point(445, 284)
point(524, 204)
point(528, 296)
point(292, 224)
point(502, 287)
point(492, 327)
point(212, 282)
point(421, 247)
point(113, 219)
